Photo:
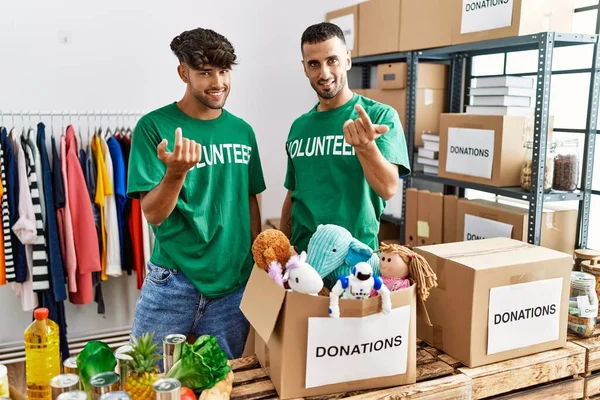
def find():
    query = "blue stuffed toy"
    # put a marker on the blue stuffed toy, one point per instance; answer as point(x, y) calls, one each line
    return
point(333, 252)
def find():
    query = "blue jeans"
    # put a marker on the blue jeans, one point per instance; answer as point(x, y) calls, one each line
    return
point(169, 303)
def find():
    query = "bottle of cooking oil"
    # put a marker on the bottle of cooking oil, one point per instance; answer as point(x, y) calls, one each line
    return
point(42, 355)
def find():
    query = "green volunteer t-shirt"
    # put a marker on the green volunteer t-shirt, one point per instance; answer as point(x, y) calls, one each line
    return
point(326, 177)
point(207, 236)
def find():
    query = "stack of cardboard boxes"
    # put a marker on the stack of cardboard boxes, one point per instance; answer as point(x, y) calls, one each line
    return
point(387, 26)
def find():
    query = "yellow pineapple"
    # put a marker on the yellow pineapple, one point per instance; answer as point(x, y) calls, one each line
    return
point(143, 370)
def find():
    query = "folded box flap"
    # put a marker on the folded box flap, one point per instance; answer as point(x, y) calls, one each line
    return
point(262, 302)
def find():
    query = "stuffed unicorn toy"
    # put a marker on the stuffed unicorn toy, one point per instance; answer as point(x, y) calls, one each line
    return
point(301, 276)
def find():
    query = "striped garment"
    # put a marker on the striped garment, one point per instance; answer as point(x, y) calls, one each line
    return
point(8, 250)
point(40, 262)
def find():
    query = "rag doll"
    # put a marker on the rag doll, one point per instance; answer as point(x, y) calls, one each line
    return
point(399, 264)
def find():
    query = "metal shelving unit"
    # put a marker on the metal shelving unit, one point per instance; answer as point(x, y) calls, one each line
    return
point(460, 57)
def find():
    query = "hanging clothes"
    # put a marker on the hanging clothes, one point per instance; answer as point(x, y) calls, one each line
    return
point(37, 162)
point(86, 246)
point(128, 261)
point(24, 228)
point(5, 226)
point(102, 188)
point(89, 172)
point(113, 247)
point(119, 188)
point(55, 264)
point(18, 271)
point(2, 251)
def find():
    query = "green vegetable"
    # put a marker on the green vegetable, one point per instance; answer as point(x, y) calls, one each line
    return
point(96, 357)
point(201, 365)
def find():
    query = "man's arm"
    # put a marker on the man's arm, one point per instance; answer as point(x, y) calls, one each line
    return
point(255, 222)
point(381, 174)
point(160, 202)
point(286, 216)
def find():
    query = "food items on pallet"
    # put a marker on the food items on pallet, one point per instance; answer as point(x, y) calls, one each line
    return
point(167, 389)
point(566, 166)
point(592, 267)
point(143, 371)
point(172, 349)
point(103, 383)
point(123, 365)
point(74, 395)
point(583, 304)
point(42, 355)
point(95, 358)
point(4, 381)
point(527, 167)
point(115, 396)
point(70, 366)
point(64, 383)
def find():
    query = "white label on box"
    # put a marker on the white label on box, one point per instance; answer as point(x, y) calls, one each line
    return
point(483, 15)
point(524, 314)
point(470, 152)
point(428, 97)
point(351, 349)
point(477, 228)
point(346, 24)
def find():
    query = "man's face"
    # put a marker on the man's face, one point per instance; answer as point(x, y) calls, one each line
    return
point(326, 66)
point(209, 85)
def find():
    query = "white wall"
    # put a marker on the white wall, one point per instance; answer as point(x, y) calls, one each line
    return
point(118, 58)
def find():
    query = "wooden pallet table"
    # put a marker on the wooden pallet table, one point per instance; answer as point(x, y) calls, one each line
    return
point(552, 374)
point(435, 380)
point(592, 366)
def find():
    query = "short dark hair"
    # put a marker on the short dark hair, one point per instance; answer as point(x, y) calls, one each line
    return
point(321, 32)
point(200, 47)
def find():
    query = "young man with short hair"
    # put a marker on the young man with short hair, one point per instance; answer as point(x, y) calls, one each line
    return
point(197, 170)
point(345, 155)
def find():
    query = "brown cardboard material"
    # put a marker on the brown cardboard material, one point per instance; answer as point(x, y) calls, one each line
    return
point(429, 76)
point(388, 231)
point(458, 307)
point(423, 226)
point(280, 319)
point(412, 210)
point(559, 222)
point(431, 103)
point(378, 27)
point(510, 133)
point(436, 218)
point(425, 24)
point(450, 210)
point(528, 17)
point(352, 10)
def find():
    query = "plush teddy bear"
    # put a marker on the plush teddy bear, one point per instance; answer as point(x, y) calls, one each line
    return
point(271, 245)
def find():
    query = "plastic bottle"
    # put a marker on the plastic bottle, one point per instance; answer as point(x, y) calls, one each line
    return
point(42, 355)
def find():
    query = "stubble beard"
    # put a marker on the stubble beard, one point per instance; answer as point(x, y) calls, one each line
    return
point(201, 97)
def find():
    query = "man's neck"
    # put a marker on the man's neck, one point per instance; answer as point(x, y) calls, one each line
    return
point(195, 109)
point(330, 104)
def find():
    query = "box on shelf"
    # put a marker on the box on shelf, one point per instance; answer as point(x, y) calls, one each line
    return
point(483, 149)
point(477, 20)
point(387, 26)
point(483, 219)
point(450, 206)
point(424, 224)
point(496, 299)
point(410, 222)
point(429, 76)
point(307, 353)
point(347, 19)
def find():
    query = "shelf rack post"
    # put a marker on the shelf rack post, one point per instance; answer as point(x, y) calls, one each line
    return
point(540, 136)
point(583, 218)
point(412, 61)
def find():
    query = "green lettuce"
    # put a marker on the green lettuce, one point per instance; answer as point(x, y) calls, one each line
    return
point(96, 357)
point(201, 365)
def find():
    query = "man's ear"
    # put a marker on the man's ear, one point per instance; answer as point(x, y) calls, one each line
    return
point(348, 61)
point(183, 73)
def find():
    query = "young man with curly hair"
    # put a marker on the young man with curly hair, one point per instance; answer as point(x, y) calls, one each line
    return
point(197, 170)
point(345, 155)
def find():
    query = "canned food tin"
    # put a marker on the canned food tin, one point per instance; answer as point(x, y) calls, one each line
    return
point(116, 396)
point(167, 389)
point(103, 383)
point(172, 348)
point(123, 365)
point(64, 383)
point(74, 395)
point(70, 365)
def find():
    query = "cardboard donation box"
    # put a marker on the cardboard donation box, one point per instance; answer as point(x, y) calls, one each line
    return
point(307, 353)
point(347, 19)
point(484, 149)
point(496, 299)
point(476, 20)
